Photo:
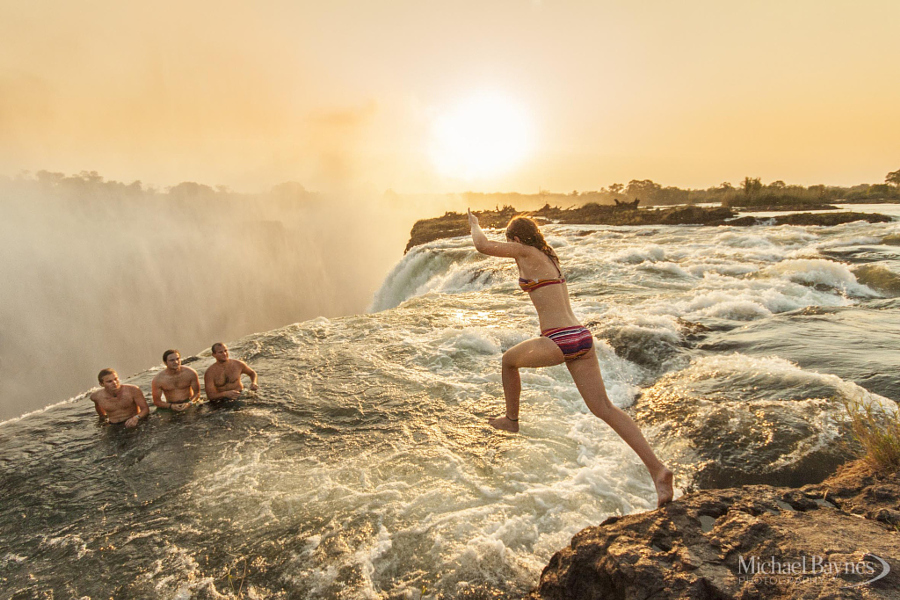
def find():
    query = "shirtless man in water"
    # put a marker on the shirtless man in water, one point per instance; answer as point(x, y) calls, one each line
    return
point(223, 378)
point(120, 404)
point(178, 383)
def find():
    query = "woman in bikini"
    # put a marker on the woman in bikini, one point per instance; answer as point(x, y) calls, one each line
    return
point(563, 339)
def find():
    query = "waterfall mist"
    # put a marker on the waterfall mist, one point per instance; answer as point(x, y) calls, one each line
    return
point(101, 274)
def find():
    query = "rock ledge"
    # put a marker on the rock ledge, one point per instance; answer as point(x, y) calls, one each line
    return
point(721, 544)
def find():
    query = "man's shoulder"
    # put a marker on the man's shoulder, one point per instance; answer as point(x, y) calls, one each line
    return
point(97, 396)
point(236, 362)
point(131, 388)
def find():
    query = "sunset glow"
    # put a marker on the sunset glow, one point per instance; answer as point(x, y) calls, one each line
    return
point(483, 136)
point(514, 96)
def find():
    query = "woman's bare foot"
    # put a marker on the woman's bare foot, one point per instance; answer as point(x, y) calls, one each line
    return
point(664, 489)
point(504, 423)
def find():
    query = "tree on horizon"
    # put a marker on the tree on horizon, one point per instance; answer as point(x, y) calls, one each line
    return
point(893, 178)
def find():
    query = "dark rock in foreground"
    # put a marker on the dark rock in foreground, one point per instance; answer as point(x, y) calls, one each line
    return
point(456, 224)
point(743, 543)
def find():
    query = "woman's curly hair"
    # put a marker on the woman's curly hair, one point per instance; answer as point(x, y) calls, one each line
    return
point(529, 234)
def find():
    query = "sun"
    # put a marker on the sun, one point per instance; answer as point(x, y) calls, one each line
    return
point(485, 135)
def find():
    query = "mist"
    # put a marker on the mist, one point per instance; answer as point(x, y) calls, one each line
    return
point(102, 274)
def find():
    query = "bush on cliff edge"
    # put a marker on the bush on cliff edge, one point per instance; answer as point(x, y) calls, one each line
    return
point(877, 430)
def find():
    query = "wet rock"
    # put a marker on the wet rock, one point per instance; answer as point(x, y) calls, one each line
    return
point(878, 278)
point(783, 207)
point(643, 345)
point(858, 490)
point(703, 420)
point(738, 543)
point(455, 224)
point(823, 219)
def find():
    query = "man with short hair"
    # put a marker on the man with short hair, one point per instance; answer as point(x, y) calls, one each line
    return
point(120, 404)
point(223, 378)
point(178, 383)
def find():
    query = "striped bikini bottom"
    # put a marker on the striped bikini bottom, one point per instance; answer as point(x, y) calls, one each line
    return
point(574, 342)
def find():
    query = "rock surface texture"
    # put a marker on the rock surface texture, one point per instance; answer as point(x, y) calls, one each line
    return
point(756, 542)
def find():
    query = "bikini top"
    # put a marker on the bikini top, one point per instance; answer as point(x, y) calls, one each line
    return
point(529, 285)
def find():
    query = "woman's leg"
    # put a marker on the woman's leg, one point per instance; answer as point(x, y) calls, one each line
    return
point(589, 381)
point(536, 352)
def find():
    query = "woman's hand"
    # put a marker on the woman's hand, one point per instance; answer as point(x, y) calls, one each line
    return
point(473, 220)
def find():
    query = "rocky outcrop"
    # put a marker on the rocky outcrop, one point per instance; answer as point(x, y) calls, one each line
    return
point(820, 541)
point(627, 205)
point(456, 224)
point(605, 214)
point(781, 207)
point(824, 219)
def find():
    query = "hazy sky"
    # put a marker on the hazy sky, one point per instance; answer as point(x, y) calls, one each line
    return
point(558, 95)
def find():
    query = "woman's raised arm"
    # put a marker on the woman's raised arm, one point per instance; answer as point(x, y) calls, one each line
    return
point(486, 246)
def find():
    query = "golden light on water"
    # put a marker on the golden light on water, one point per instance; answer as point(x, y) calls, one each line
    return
point(485, 135)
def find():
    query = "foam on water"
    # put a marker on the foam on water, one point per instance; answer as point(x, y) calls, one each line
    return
point(648, 253)
point(416, 495)
point(436, 268)
point(821, 272)
point(746, 419)
point(364, 468)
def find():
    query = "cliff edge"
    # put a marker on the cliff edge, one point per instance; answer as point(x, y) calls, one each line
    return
point(836, 539)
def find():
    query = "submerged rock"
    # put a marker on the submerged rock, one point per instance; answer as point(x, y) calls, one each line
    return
point(733, 420)
point(878, 277)
point(752, 542)
point(822, 219)
point(782, 207)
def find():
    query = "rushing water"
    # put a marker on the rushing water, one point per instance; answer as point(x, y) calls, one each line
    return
point(363, 467)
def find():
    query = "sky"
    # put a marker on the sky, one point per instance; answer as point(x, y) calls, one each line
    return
point(427, 96)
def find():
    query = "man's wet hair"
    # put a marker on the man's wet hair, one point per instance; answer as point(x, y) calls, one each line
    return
point(104, 373)
point(168, 352)
point(213, 349)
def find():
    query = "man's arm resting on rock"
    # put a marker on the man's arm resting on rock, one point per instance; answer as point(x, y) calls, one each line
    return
point(156, 394)
point(245, 370)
